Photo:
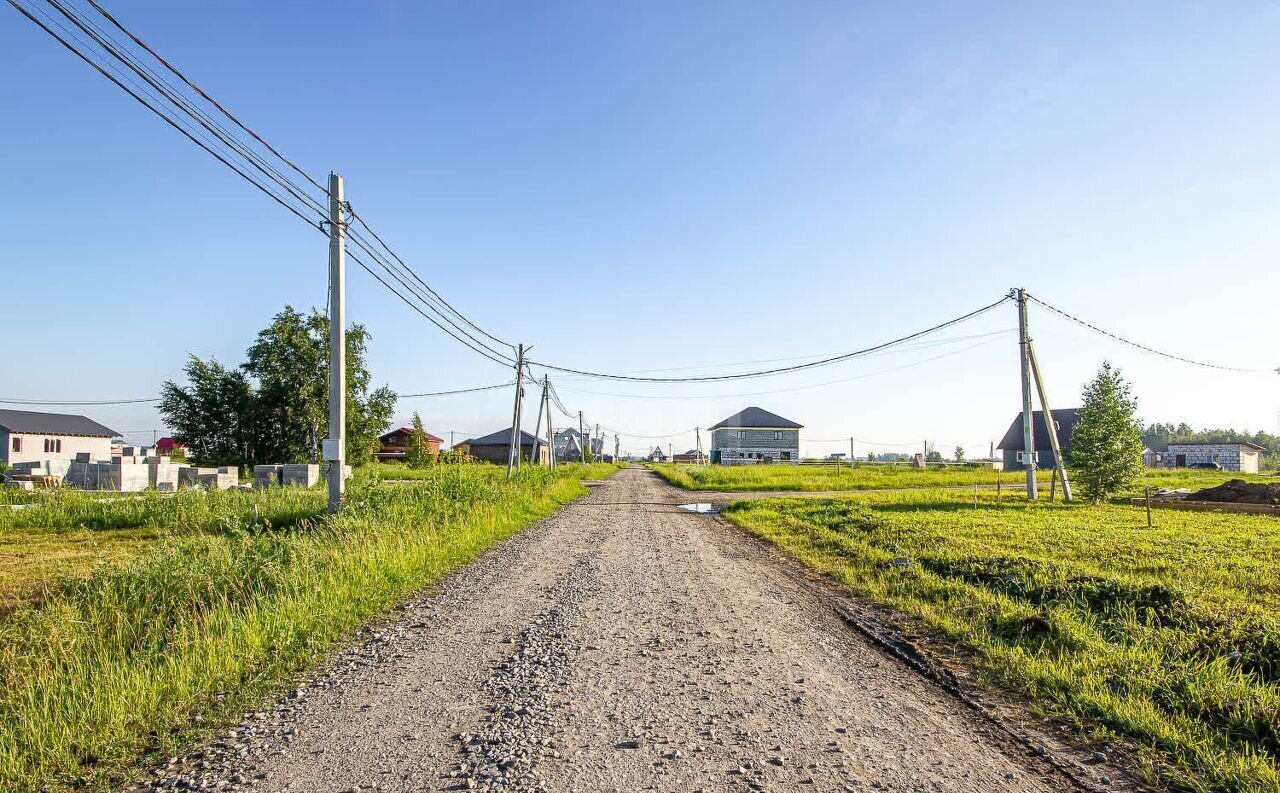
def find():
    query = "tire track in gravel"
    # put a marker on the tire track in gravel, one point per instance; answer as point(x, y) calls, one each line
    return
point(622, 644)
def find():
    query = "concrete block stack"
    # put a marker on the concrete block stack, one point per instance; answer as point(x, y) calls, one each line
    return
point(126, 477)
point(301, 475)
point(267, 475)
point(162, 474)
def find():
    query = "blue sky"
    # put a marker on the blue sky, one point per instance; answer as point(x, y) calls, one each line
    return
point(644, 186)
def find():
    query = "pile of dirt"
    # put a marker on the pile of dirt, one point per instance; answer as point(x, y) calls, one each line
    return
point(1238, 491)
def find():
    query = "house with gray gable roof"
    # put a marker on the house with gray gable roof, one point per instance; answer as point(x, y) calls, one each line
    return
point(29, 436)
point(755, 436)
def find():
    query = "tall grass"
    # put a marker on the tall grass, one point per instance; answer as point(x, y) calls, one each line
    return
point(116, 667)
point(1166, 638)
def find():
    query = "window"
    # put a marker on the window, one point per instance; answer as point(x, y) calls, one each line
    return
point(777, 435)
point(52, 445)
point(17, 444)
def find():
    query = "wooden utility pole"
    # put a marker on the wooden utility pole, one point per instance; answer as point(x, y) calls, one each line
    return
point(851, 453)
point(1028, 420)
point(617, 442)
point(582, 452)
point(1060, 466)
point(335, 447)
point(513, 448)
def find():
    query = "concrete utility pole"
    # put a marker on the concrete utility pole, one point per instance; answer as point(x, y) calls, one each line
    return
point(551, 435)
point(1051, 425)
point(513, 448)
point(616, 443)
point(1028, 422)
point(335, 448)
point(537, 425)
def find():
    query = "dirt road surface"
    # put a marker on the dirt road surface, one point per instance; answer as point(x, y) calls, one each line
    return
point(622, 644)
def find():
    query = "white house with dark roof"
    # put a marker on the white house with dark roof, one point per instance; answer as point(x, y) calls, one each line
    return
point(30, 437)
point(755, 436)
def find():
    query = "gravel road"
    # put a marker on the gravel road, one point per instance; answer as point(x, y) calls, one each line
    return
point(622, 644)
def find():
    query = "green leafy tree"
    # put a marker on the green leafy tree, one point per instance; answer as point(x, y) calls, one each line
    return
point(418, 450)
point(871, 457)
point(933, 456)
point(959, 454)
point(1106, 443)
point(215, 416)
point(275, 408)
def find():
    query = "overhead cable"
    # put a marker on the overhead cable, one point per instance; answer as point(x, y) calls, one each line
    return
point(1143, 347)
point(779, 370)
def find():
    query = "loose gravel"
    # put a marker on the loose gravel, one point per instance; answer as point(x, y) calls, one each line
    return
point(622, 644)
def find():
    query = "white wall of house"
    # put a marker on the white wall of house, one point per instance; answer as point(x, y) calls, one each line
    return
point(34, 447)
point(1231, 456)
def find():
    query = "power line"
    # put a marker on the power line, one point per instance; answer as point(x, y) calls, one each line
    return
point(864, 376)
point(1143, 347)
point(237, 149)
point(52, 402)
point(457, 391)
point(779, 370)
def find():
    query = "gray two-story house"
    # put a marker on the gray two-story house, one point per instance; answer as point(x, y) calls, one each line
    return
point(755, 436)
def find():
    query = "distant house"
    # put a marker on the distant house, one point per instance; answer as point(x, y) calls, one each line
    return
point(568, 445)
point(755, 436)
point(1241, 456)
point(1151, 458)
point(1014, 442)
point(657, 455)
point(495, 447)
point(692, 457)
point(168, 447)
point(29, 437)
point(394, 445)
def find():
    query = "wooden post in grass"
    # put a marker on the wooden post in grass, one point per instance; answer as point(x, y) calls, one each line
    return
point(999, 483)
point(1053, 485)
point(975, 495)
point(1148, 506)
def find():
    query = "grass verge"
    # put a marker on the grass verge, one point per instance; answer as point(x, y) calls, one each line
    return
point(797, 478)
point(1165, 638)
point(138, 659)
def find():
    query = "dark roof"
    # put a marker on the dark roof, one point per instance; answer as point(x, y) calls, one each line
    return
point(407, 431)
point(1065, 418)
point(501, 438)
point(757, 417)
point(1250, 444)
point(53, 424)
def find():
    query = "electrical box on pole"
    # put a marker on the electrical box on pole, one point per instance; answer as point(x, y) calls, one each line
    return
point(335, 447)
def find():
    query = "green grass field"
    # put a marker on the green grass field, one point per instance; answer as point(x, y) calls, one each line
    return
point(796, 478)
point(189, 607)
point(1167, 639)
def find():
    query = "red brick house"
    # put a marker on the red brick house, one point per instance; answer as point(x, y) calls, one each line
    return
point(394, 444)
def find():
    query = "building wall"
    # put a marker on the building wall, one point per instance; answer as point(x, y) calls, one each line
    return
point(1231, 456)
point(33, 447)
point(747, 446)
point(498, 454)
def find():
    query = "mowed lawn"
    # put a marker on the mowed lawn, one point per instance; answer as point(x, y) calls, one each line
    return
point(1166, 639)
point(868, 476)
point(139, 624)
